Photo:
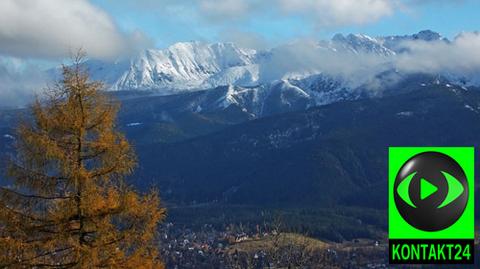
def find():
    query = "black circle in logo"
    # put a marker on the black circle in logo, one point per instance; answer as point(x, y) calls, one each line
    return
point(428, 190)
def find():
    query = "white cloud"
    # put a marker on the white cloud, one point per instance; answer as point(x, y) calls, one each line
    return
point(49, 30)
point(457, 59)
point(461, 56)
point(306, 57)
point(339, 12)
point(322, 13)
point(224, 9)
point(53, 28)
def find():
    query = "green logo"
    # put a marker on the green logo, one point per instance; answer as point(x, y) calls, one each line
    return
point(431, 198)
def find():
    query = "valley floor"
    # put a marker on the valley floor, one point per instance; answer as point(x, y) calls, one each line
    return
point(227, 237)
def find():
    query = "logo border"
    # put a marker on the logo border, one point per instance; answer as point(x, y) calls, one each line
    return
point(464, 228)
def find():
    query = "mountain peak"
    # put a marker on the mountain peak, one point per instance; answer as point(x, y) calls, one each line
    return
point(182, 66)
point(353, 37)
point(395, 42)
point(427, 35)
point(360, 43)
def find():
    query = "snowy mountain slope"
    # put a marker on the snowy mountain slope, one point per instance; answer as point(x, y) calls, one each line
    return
point(271, 98)
point(257, 101)
point(336, 151)
point(182, 66)
point(361, 44)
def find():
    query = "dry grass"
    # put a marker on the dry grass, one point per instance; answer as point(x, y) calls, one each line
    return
point(281, 240)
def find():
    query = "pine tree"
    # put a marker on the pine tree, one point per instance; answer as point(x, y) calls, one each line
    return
point(67, 204)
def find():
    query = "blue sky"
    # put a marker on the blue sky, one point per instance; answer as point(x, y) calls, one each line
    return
point(185, 23)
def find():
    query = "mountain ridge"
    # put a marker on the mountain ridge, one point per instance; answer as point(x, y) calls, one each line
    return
point(327, 155)
point(189, 66)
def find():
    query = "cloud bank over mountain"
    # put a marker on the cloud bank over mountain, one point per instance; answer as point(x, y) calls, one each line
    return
point(461, 56)
point(363, 57)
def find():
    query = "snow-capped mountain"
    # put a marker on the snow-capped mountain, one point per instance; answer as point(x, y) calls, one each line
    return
point(293, 76)
point(358, 43)
point(182, 66)
point(191, 66)
point(395, 43)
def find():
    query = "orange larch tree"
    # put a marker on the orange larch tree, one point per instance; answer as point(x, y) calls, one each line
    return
point(67, 204)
